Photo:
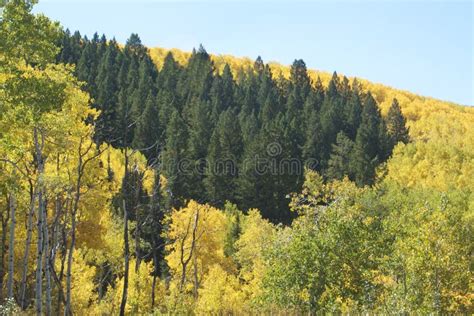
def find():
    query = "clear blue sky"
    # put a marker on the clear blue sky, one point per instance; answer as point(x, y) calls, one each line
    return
point(422, 46)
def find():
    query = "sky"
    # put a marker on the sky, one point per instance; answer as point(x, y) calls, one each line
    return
point(425, 47)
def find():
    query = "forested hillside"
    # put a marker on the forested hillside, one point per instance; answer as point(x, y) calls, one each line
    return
point(149, 181)
point(245, 137)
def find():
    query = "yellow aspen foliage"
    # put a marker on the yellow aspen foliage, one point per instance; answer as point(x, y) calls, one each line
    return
point(139, 288)
point(197, 233)
point(257, 235)
point(83, 283)
point(220, 293)
point(442, 154)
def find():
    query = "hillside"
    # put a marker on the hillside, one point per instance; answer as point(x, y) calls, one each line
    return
point(137, 182)
point(442, 153)
point(414, 107)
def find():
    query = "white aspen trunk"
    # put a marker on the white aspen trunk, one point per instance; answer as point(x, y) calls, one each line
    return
point(39, 252)
point(26, 254)
point(67, 309)
point(4, 220)
point(47, 269)
point(123, 303)
point(11, 253)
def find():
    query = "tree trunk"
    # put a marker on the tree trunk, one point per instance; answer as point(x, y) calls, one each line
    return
point(2, 251)
point(11, 248)
point(195, 274)
point(155, 209)
point(39, 255)
point(59, 281)
point(47, 265)
point(26, 254)
point(155, 272)
point(39, 252)
point(126, 258)
point(81, 164)
point(153, 287)
point(56, 244)
point(137, 242)
point(67, 309)
point(185, 262)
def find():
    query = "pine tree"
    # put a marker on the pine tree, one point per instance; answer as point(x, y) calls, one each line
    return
point(168, 77)
point(175, 161)
point(249, 125)
point(224, 153)
point(147, 133)
point(352, 114)
point(198, 117)
point(228, 84)
point(345, 90)
point(319, 91)
point(214, 182)
point(270, 108)
point(248, 100)
point(166, 104)
point(301, 84)
point(396, 124)
point(333, 86)
point(339, 164)
point(313, 144)
point(258, 65)
point(330, 125)
point(251, 182)
point(145, 86)
point(167, 85)
point(266, 86)
point(76, 44)
point(107, 95)
point(369, 145)
point(66, 49)
point(124, 122)
point(123, 72)
point(300, 88)
point(135, 47)
point(85, 66)
point(197, 81)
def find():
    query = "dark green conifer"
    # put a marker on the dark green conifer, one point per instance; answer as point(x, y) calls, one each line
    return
point(107, 95)
point(339, 164)
point(369, 147)
point(147, 132)
point(175, 161)
point(396, 124)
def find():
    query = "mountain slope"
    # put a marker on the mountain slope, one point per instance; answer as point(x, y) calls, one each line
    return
point(442, 153)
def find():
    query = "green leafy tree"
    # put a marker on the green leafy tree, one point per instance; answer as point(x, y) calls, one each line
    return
point(18, 27)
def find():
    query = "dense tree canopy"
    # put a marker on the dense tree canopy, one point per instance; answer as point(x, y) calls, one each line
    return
point(194, 106)
point(145, 181)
